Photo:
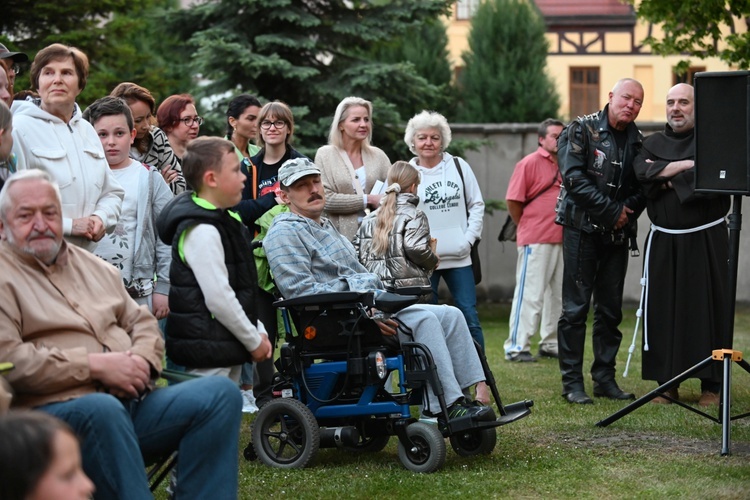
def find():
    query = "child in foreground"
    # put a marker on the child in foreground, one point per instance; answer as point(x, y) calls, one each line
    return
point(133, 246)
point(212, 328)
point(40, 459)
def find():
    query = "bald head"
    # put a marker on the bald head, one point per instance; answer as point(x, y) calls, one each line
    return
point(625, 101)
point(680, 107)
point(619, 84)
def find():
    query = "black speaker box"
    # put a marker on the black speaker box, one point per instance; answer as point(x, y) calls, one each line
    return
point(722, 127)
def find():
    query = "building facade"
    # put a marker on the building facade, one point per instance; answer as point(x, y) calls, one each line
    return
point(592, 44)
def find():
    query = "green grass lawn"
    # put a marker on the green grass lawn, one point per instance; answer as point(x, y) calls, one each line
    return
point(557, 452)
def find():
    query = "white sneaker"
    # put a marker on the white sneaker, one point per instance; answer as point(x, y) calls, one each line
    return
point(248, 402)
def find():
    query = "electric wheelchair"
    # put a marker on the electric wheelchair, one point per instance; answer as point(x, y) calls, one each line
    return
point(330, 389)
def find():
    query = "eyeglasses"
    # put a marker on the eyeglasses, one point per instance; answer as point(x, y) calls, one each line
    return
point(191, 120)
point(15, 68)
point(265, 124)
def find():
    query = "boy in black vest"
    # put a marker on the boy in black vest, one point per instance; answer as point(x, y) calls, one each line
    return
point(212, 327)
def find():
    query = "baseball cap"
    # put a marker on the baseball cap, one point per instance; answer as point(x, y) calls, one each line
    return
point(16, 56)
point(295, 169)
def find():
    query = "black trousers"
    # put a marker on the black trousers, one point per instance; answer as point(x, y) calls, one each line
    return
point(265, 369)
point(593, 266)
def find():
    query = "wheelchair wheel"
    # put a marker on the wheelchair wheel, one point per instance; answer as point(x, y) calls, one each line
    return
point(428, 453)
point(285, 434)
point(474, 442)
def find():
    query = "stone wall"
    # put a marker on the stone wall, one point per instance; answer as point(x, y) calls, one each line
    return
point(503, 145)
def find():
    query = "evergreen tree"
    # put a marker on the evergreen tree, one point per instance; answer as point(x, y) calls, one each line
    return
point(124, 41)
point(504, 78)
point(426, 49)
point(309, 54)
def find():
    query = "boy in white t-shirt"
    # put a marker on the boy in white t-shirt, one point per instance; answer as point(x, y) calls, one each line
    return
point(133, 247)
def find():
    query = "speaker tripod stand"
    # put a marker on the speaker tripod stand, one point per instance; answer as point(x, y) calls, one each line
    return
point(725, 356)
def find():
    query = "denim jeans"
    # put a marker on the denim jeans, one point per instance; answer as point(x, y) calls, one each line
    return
point(268, 315)
point(199, 418)
point(460, 281)
point(171, 365)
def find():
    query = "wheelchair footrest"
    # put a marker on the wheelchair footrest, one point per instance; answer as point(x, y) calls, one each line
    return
point(515, 411)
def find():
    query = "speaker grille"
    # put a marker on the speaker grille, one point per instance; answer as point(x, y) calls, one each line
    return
point(721, 132)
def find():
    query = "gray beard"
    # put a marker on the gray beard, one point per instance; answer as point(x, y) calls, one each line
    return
point(48, 257)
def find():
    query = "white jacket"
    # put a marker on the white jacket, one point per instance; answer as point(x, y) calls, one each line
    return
point(441, 198)
point(72, 153)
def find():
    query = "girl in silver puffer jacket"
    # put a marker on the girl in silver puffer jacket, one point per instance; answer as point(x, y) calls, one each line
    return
point(394, 241)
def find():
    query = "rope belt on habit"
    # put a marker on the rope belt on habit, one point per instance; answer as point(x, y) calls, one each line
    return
point(644, 283)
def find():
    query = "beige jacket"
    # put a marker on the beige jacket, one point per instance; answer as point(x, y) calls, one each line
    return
point(52, 317)
point(343, 205)
point(6, 395)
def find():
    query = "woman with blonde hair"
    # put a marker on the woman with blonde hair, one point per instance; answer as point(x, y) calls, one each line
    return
point(351, 166)
point(394, 241)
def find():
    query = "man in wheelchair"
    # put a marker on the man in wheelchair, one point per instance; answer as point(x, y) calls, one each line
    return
point(308, 256)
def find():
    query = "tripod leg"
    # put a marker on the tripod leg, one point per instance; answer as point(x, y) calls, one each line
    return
point(726, 387)
point(656, 392)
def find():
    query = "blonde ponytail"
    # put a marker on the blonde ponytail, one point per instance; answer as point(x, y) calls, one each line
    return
point(401, 176)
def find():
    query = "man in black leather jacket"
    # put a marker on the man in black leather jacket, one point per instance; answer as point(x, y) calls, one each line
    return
point(599, 205)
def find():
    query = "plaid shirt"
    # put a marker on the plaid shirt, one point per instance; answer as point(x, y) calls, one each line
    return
point(308, 258)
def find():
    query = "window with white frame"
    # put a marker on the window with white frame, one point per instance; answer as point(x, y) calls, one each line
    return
point(465, 9)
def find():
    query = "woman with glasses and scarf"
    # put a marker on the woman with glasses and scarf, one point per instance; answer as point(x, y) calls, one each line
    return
point(178, 118)
point(151, 145)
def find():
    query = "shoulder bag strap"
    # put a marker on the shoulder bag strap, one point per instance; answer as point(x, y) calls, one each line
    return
point(554, 181)
point(463, 185)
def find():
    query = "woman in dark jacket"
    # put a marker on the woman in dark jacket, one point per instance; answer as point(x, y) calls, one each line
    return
point(275, 130)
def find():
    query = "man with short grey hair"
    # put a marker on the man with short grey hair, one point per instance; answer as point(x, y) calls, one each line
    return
point(86, 353)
